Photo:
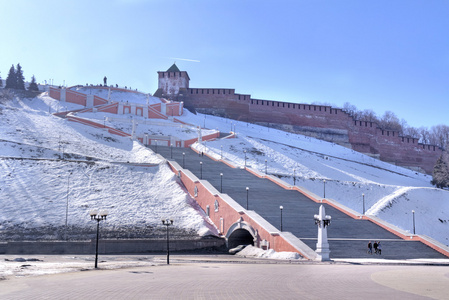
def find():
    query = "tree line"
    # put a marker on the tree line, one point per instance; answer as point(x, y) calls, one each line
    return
point(16, 80)
point(437, 135)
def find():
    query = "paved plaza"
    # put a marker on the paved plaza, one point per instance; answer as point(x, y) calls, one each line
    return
point(227, 277)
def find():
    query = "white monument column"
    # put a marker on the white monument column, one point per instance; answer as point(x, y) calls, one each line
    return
point(322, 245)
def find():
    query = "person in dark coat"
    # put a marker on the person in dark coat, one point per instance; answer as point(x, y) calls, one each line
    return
point(370, 248)
point(105, 79)
point(375, 247)
point(379, 248)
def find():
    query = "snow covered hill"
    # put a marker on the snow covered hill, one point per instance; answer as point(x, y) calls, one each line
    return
point(100, 170)
point(54, 171)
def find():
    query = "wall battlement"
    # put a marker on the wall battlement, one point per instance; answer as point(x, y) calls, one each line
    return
point(320, 121)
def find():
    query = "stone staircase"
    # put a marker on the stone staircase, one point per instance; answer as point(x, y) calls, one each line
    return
point(348, 237)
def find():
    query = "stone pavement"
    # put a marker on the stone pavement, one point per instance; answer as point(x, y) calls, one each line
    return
point(230, 277)
point(348, 237)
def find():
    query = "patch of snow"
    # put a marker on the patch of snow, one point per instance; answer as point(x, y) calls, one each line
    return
point(251, 251)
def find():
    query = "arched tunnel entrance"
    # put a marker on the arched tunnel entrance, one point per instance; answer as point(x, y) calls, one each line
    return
point(240, 237)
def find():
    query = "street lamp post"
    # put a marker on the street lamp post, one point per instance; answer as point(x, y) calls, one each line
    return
point(201, 170)
point(94, 215)
point(324, 188)
point(281, 208)
point(221, 151)
point(171, 151)
point(183, 159)
point(247, 193)
point(363, 200)
point(221, 182)
point(413, 213)
point(167, 222)
point(294, 177)
point(104, 122)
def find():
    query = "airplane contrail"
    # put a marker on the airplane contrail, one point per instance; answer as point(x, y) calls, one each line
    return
point(185, 59)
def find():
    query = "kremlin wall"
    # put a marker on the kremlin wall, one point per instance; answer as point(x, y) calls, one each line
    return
point(319, 121)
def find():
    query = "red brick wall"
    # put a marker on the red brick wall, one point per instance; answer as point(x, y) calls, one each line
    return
point(54, 93)
point(75, 97)
point(173, 109)
point(99, 100)
point(363, 136)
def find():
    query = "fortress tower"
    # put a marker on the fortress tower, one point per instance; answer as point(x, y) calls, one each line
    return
point(171, 81)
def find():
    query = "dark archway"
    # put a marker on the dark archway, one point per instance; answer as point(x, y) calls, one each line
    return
point(240, 237)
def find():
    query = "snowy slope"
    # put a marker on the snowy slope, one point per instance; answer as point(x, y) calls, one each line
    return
point(141, 196)
point(98, 172)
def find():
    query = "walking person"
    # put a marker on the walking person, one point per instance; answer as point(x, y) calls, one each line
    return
point(370, 248)
point(379, 249)
point(375, 247)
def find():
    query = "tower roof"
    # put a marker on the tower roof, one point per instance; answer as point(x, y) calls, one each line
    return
point(173, 68)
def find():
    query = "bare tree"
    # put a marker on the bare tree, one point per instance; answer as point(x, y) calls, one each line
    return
point(425, 135)
point(349, 108)
point(412, 131)
point(390, 121)
point(369, 115)
point(440, 135)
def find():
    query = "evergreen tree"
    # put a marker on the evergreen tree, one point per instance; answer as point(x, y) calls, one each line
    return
point(33, 86)
point(20, 80)
point(1, 81)
point(11, 79)
point(441, 172)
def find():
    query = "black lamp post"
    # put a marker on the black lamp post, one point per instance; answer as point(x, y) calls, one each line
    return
point(281, 208)
point(183, 159)
point(413, 213)
point(171, 151)
point(167, 222)
point(94, 215)
point(324, 181)
point(247, 193)
point(201, 170)
point(221, 182)
point(363, 200)
point(266, 167)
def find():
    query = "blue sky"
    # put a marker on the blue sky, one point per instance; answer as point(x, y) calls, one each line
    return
point(381, 55)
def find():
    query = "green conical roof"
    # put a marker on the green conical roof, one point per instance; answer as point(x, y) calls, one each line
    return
point(173, 68)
